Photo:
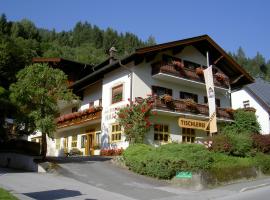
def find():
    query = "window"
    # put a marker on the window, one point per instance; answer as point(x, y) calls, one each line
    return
point(217, 101)
point(117, 93)
point(74, 141)
point(83, 141)
point(187, 95)
point(188, 135)
point(246, 104)
point(161, 133)
point(116, 133)
point(156, 90)
point(57, 143)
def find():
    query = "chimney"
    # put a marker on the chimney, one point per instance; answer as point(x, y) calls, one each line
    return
point(112, 52)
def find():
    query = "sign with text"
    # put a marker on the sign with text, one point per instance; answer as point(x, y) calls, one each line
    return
point(192, 123)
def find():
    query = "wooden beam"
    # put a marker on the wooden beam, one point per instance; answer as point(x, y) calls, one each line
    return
point(217, 60)
point(237, 79)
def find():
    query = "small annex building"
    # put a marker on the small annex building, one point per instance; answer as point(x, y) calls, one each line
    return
point(256, 95)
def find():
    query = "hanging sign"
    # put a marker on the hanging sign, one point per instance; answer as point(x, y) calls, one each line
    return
point(208, 77)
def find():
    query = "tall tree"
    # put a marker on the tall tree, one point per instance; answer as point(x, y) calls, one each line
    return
point(36, 93)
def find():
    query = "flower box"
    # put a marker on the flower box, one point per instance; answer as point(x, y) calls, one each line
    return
point(199, 71)
point(220, 77)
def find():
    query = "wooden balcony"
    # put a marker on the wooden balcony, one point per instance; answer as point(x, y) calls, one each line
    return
point(78, 118)
point(180, 106)
point(188, 74)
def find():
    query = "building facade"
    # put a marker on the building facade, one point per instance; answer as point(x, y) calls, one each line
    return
point(255, 95)
point(173, 69)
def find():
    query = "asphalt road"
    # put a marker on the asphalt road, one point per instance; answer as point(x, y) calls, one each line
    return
point(89, 180)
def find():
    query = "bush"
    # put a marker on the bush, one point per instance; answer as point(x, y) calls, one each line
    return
point(75, 152)
point(261, 143)
point(262, 161)
point(245, 122)
point(241, 145)
point(227, 168)
point(221, 143)
point(163, 162)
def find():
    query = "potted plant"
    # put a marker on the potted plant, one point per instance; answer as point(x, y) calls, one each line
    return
point(199, 71)
point(96, 150)
point(178, 64)
point(166, 98)
point(190, 104)
point(220, 77)
point(229, 111)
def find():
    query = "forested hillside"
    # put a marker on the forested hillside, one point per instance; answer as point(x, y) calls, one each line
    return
point(21, 41)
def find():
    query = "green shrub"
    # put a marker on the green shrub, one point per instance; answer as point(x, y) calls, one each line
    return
point(163, 162)
point(245, 122)
point(221, 143)
point(227, 168)
point(241, 145)
point(262, 161)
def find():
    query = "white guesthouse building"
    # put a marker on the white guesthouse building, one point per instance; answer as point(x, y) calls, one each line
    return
point(172, 68)
point(255, 95)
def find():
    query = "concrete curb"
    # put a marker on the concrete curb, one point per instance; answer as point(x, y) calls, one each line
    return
point(254, 187)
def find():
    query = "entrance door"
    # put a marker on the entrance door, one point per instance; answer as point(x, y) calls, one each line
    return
point(90, 142)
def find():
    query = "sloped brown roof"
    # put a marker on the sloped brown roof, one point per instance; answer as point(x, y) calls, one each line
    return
point(203, 44)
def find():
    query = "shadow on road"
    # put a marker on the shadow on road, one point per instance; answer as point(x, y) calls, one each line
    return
point(77, 159)
point(53, 194)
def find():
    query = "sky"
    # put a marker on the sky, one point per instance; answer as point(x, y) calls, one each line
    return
point(231, 23)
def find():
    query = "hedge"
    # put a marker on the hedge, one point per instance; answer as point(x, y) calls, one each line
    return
point(163, 162)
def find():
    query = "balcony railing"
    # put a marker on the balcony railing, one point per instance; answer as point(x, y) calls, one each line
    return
point(180, 106)
point(80, 117)
point(220, 80)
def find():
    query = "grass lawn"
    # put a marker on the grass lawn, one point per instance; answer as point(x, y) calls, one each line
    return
point(5, 195)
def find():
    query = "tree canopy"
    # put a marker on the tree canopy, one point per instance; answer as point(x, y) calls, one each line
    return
point(36, 93)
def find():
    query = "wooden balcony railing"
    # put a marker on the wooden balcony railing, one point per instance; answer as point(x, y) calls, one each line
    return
point(190, 74)
point(80, 117)
point(182, 107)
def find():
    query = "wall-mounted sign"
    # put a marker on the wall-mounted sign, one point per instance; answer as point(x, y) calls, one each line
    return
point(192, 123)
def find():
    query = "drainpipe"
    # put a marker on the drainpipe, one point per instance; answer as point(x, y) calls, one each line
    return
point(131, 79)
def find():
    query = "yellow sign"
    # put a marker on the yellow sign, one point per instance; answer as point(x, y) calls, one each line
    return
point(192, 123)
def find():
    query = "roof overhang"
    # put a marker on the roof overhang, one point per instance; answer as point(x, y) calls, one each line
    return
point(238, 75)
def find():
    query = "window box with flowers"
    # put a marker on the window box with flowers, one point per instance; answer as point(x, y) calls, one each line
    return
point(220, 77)
point(199, 71)
point(191, 104)
point(166, 98)
point(230, 111)
point(178, 65)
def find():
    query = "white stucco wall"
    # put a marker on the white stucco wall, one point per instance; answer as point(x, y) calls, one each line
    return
point(262, 115)
point(115, 78)
point(91, 94)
